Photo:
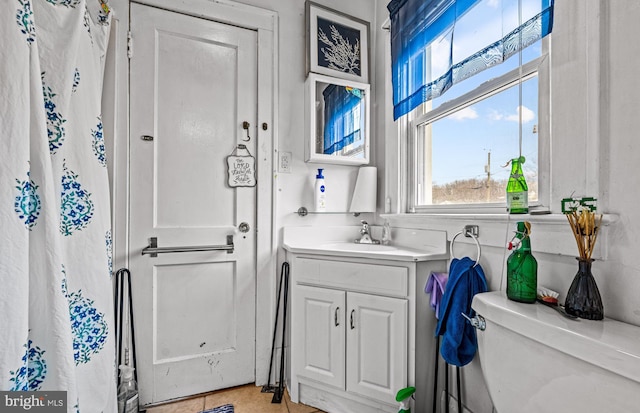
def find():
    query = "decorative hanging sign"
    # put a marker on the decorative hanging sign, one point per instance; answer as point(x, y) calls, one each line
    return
point(241, 167)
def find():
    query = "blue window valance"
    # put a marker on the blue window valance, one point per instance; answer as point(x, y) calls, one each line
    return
point(437, 43)
point(342, 108)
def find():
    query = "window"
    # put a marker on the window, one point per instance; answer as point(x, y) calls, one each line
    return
point(470, 84)
point(459, 150)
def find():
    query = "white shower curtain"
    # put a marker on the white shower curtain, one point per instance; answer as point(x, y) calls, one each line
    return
point(56, 301)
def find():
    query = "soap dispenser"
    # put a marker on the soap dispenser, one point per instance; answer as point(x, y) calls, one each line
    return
point(386, 232)
point(320, 196)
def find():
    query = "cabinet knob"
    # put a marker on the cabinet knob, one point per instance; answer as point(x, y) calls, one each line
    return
point(353, 325)
point(336, 320)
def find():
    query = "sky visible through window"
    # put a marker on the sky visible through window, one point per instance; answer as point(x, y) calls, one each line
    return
point(462, 140)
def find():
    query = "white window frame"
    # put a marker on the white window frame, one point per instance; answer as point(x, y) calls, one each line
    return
point(408, 126)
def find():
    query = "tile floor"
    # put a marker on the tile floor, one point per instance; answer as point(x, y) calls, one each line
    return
point(245, 399)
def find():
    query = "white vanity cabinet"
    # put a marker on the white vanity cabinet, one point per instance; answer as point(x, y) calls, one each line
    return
point(376, 345)
point(360, 327)
point(352, 341)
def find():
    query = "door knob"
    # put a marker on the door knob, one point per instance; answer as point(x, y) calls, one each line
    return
point(243, 227)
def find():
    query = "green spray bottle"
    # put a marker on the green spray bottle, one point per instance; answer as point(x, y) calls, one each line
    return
point(404, 398)
point(517, 189)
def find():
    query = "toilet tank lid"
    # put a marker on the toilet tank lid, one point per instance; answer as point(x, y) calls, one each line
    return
point(610, 344)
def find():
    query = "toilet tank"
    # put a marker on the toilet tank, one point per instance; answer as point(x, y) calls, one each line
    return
point(535, 360)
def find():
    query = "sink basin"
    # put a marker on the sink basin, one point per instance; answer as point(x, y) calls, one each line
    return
point(407, 245)
point(352, 246)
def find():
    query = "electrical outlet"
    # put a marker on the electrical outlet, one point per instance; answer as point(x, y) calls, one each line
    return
point(284, 165)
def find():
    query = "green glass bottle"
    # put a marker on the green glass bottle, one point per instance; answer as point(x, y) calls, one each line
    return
point(522, 268)
point(517, 190)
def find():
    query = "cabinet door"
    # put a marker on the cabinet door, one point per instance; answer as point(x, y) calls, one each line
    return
point(319, 334)
point(376, 346)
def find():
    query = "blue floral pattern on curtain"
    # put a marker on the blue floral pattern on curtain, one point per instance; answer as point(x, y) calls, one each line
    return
point(56, 299)
point(433, 47)
point(27, 203)
point(342, 111)
point(33, 371)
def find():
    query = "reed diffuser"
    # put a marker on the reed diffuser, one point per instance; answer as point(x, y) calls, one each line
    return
point(583, 299)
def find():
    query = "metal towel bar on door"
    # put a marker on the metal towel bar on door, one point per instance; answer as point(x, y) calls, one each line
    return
point(153, 250)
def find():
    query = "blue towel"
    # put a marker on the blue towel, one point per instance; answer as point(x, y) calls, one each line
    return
point(459, 342)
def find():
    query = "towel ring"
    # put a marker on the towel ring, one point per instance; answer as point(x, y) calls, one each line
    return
point(453, 240)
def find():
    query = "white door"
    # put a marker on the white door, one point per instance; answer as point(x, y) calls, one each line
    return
point(376, 346)
point(193, 84)
point(319, 338)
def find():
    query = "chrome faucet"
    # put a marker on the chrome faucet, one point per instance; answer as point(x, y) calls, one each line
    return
point(365, 235)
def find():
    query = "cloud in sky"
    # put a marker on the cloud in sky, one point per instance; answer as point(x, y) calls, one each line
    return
point(527, 115)
point(466, 113)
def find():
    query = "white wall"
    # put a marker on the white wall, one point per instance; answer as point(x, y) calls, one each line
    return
point(620, 275)
point(295, 189)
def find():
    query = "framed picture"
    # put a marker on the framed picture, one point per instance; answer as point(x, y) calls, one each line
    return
point(337, 44)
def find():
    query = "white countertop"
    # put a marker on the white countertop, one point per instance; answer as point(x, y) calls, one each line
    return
point(406, 244)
